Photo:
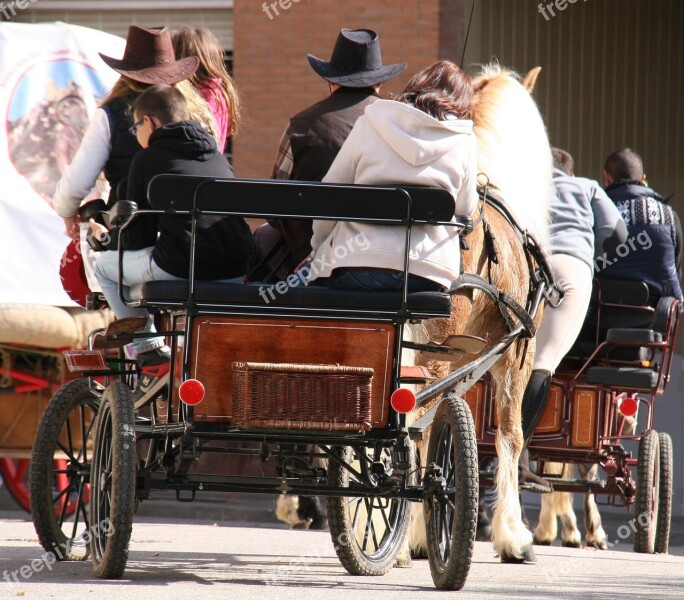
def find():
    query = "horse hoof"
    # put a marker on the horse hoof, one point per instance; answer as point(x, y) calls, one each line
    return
point(419, 554)
point(319, 524)
point(483, 534)
point(599, 545)
point(571, 545)
point(403, 562)
point(528, 556)
point(538, 542)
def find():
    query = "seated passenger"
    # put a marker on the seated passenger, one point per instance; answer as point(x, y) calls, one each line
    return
point(423, 138)
point(653, 252)
point(158, 246)
point(584, 224)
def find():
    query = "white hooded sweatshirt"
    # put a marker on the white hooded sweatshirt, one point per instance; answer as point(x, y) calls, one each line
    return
point(395, 143)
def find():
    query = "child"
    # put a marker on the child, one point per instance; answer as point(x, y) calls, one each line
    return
point(211, 78)
point(157, 247)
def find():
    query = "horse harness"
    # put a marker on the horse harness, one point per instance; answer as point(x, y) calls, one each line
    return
point(541, 276)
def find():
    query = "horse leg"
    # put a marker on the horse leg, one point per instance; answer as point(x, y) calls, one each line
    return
point(558, 504)
point(512, 540)
point(596, 536)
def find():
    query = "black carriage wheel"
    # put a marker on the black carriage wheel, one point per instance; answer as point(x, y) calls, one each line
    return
point(59, 473)
point(367, 533)
point(450, 505)
point(112, 501)
point(662, 539)
point(646, 502)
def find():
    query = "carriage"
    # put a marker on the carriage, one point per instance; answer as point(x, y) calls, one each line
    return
point(601, 404)
point(307, 379)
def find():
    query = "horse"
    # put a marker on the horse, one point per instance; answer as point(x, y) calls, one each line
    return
point(514, 155)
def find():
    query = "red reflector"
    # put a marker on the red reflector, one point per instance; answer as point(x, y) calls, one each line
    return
point(629, 407)
point(403, 400)
point(191, 391)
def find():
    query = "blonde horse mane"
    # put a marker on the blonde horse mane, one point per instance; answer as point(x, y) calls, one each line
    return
point(513, 148)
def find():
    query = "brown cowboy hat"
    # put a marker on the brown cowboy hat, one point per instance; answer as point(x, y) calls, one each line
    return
point(149, 58)
point(356, 61)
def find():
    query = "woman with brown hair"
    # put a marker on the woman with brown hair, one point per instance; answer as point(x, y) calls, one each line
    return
point(211, 78)
point(109, 144)
point(424, 137)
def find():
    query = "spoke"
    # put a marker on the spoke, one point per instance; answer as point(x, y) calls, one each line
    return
point(355, 518)
point(70, 441)
point(369, 524)
point(67, 452)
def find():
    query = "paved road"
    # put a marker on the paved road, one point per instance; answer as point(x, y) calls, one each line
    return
point(189, 558)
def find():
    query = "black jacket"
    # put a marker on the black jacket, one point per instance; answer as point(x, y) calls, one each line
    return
point(316, 136)
point(224, 246)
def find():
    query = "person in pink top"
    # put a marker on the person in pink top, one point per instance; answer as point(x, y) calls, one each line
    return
point(211, 78)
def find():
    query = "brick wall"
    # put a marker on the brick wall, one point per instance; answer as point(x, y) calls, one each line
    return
point(276, 80)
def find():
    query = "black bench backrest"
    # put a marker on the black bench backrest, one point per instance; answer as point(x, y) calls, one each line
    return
point(304, 200)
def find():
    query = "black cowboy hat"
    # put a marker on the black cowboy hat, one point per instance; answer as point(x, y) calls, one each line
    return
point(149, 58)
point(356, 61)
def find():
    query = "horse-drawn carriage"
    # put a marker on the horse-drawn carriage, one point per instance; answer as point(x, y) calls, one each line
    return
point(310, 379)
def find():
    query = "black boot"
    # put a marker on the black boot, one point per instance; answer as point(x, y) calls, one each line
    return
point(534, 401)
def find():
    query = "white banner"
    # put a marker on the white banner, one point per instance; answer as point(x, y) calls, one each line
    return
point(51, 81)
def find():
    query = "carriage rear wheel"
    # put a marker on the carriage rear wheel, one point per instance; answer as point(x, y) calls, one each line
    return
point(662, 539)
point(367, 532)
point(59, 475)
point(112, 501)
point(451, 494)
point(646, 503)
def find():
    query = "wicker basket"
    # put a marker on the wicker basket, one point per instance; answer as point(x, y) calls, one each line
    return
point(297, 396)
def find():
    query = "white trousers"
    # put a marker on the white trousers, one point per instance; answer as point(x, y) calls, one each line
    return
point(561, 326)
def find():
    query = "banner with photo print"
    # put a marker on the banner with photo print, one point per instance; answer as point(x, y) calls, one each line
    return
point(51, 82)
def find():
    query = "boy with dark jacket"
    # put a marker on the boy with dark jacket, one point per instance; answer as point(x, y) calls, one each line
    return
point(157, 247)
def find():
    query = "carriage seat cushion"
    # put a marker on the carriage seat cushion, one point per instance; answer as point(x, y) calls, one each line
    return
point(624, 377)
point(621, 335)
point(262, 295)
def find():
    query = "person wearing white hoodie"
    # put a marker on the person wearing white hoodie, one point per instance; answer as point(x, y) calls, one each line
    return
point(425, 138)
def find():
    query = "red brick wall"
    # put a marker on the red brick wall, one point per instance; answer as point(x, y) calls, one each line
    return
point(276, 80)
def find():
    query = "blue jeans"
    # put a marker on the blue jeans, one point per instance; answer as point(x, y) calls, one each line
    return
point(376, 279)
point(138, 267)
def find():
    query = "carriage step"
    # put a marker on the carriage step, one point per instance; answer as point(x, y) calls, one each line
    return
point(575, 485)
point(415, 375)
point(451, 349)
point(119, 332)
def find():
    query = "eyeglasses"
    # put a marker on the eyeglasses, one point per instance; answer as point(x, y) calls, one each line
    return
point(134, 128)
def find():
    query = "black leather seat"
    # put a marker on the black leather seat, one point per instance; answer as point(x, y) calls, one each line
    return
point(215, 295)
point(623, 377)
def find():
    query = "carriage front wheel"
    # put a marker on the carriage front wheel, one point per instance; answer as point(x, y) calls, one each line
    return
point(647, 498)
point(367, 532)
point(112, 479)
point(451, 493)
